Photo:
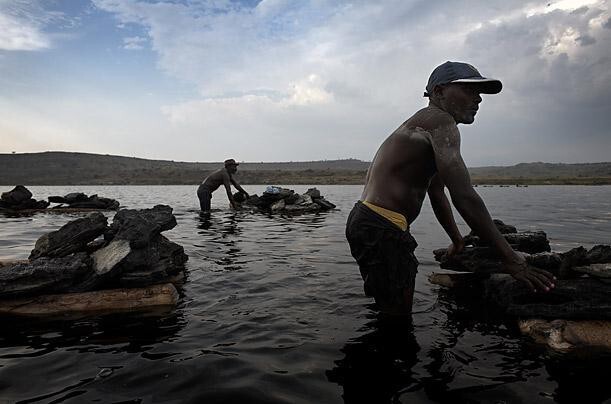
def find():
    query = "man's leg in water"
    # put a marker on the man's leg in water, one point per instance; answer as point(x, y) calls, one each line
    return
point(386, 259)
point(204, 196)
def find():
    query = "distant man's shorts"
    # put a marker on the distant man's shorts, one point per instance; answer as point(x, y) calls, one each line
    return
point(204, 195)
point(385, 255)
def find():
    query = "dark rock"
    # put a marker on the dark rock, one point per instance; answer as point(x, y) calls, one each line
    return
point(283, 200)
point(20, 198)
point(313, 192)
point(277, 206)
point(155, 263)
point(95, 202)
point(528, 242)
point(96, 245)
point(16, 196)
point(45, 276)
point(545, 260)
point(583, 298)
point(57, 199)
point(140, 226)
point(239, 197)
point(599, 254)
point(471, 259)
point(75, 197)
point(71, 237)
point(79, 200)
point(292, 199)
point(324, 204)
point(500, 225)
point(302, 208)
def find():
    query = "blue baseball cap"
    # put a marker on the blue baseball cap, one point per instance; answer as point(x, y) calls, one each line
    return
point(459, 72)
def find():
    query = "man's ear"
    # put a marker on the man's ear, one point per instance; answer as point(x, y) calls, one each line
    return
point(438, 92)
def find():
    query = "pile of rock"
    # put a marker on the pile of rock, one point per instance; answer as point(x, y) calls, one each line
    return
point(80, 200)
point(582, 290)
point(20, 198)
point(131, 254)
point(283, 200)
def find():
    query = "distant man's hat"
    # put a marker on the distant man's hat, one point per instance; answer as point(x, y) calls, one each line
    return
point(231, 162)
point(458, 72)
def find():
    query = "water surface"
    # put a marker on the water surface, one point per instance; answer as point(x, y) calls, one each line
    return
point(273, 311)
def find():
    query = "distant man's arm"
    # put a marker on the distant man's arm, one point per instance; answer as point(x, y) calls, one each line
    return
point(443, 212)
point(227, 184)
point(238, 187)
point(453, 172)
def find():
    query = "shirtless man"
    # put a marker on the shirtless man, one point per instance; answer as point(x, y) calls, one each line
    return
point(423, 156)
point(223, 176)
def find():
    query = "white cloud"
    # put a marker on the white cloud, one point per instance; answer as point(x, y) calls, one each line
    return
point(133, 43)
point(20, 33)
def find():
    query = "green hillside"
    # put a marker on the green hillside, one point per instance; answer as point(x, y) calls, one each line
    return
point(64, 168)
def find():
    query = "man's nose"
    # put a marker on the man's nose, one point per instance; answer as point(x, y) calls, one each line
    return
point(478, 98)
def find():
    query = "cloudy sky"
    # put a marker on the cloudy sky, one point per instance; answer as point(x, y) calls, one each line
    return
point(290, 80)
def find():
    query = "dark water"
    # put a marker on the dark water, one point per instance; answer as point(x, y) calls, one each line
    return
point(273, 312)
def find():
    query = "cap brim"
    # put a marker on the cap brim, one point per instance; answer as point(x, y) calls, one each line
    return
point(487, 86)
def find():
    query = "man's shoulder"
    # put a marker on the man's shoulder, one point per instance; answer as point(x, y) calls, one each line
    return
point(432, 118)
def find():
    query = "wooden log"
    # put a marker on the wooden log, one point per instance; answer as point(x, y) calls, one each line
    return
point(110, 300)
point(564, 335)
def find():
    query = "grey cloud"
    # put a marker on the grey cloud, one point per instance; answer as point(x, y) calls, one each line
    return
point(585, 40)
point(607, 24)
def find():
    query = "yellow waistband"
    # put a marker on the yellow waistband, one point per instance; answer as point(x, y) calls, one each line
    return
point(396, 218)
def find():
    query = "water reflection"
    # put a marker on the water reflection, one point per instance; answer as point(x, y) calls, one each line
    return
point(221, 232)
point(124, 332)
point(377, 365)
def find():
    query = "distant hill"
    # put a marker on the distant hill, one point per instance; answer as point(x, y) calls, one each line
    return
point(65, 168)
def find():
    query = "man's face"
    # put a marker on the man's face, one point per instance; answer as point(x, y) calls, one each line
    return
point(232, 168)
point(461, 100)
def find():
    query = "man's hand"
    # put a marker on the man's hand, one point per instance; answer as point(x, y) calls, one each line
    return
point(534, 278)
point(455, 248)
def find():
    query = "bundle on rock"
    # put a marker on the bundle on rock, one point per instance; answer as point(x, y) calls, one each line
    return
point(79, 200)
point(132, 266)
point(581, 298)
point(283, 200)
point(20, 198)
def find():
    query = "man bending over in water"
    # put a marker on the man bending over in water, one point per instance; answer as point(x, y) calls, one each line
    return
point(222, 176)
point(423, 156)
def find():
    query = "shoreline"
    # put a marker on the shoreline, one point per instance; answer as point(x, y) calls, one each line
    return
point(342, 180)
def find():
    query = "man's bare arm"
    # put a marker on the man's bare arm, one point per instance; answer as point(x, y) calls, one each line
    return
point(238, 187)
point(454, 174)
point(443, 212)
point(227, 184)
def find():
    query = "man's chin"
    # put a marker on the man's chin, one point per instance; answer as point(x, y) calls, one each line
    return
point(467, 120)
